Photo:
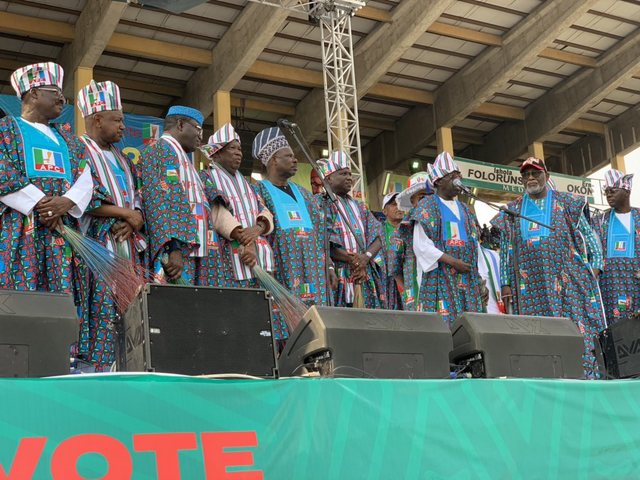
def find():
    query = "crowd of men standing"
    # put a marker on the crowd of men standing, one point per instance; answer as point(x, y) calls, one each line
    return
point(211, 227)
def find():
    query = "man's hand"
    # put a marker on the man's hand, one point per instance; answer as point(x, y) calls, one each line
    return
point(121, 231)
point(484, 294)
point(135, 219)
point(248, 256)
point(459, 265)
point(596, 273)
point(250, 235)
point(506, 295)
point(174, 266)
point(50, 208)
point(333, 279)
point(358, 260)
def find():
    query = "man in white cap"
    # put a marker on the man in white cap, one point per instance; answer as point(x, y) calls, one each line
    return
point(297, 239)
point(557, 268)
point(618, 230)
point(116, 223)
point(183, 245)
point(445, 243)
point(393, 217)
point(403, 266)
point(250, 222)
point(45, 183)
point(357, 270)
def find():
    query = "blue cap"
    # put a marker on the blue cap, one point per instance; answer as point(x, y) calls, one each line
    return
point(186, 112)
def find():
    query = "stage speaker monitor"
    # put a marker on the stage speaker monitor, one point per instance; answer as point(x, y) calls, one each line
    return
point(36, 332)
point(619, 352)
point(517, 346)
point(198, 330)
point(352, 342)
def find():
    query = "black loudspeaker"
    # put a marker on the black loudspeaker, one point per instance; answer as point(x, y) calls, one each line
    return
point(36, 332)
point(517, 346)
point(353, 342)
point(619, 353)
point(197, 331)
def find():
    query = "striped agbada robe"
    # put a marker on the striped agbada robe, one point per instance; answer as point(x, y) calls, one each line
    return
point(97, 335)
point(176, 207)
point(368, 229)
point(555, 278)
point(246, 206)
point(298, 250)
point(620, 277)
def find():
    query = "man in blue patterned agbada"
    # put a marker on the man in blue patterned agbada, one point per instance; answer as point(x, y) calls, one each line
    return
point(557, 268)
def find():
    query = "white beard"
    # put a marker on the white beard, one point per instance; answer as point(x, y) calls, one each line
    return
point(534, 190)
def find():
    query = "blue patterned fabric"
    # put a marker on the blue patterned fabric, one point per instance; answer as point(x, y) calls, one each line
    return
point(555, 274)
point(444, 290)
point(620, 277)
point(299, 254)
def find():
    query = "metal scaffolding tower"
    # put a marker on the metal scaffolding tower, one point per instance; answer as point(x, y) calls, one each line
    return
point(340, 94)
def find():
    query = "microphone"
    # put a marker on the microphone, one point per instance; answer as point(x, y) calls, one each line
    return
point(284, 123)
point(458, 183)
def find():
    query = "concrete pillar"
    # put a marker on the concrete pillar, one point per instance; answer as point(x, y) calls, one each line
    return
point(81, 78)
point(536, 149)
point(444, 139)
point(617, 163)
point(221, 109)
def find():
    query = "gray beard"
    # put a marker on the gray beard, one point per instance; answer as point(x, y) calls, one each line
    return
point(534, 190)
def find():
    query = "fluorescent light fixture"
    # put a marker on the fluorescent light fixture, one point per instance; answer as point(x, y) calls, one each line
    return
point(325, 153)
point(415, 164)
point(256, 176)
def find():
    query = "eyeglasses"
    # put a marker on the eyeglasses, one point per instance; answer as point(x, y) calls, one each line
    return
point(532, 173)
point(56, 91)
point(195, 125)
point(612, 190)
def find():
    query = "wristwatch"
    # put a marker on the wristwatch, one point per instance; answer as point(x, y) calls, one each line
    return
point(369, 254)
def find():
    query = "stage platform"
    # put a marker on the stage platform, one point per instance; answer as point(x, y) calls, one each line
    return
point(171, 427)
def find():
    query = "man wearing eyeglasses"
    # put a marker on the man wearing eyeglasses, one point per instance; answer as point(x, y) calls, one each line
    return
point(619, 231)
point(183, 245)
point(45, 183)
point(558, 266)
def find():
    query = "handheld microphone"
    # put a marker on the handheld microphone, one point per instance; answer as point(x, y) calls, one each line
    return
point(458, 183)
point(284, 123)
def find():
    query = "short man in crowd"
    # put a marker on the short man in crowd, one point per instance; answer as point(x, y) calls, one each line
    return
point(403, 258)
point(558, 266)
point(243, 242)
point(358, 252)
point(393, 216)
point(618, 230)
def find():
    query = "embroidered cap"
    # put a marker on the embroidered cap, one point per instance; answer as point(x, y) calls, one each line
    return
point(268, 142)
point(388, 198)
point(617, 179)
point(36, 75)
point(533, 162)
point(220, 139)
point(99, 97)
point(441, 167)
point(186, 112)
point(336, 161)
point(417, 182)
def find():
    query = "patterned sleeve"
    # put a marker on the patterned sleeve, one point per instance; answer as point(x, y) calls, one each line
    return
point(594, 247)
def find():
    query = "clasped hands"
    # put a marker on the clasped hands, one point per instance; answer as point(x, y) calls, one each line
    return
point(51, 209)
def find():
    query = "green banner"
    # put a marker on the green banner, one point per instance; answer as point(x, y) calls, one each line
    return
point(165, 427)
